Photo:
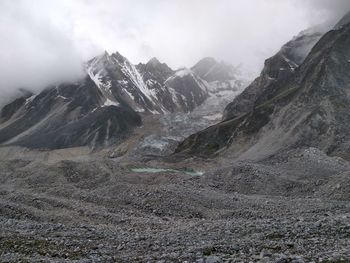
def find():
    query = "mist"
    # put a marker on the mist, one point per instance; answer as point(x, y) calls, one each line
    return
point(46, 42)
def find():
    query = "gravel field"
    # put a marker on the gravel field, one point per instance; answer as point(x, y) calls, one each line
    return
point(101, 211)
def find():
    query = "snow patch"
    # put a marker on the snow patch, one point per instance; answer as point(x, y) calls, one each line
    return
point(129, 70)
point(291, 63)
point(108, 102)
point(214, 117)
point(62, 97)
point(30, 99)
point(183, 72)
point(174, 96)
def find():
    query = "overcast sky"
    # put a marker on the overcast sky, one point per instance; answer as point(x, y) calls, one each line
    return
point(45, 41)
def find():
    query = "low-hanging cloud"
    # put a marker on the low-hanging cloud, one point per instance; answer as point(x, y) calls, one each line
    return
point(45, 42)
point(332, 10)
point(34, 51)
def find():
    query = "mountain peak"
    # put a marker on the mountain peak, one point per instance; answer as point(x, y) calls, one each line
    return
point(204, 65)
point(119, 57)
point(211, 70)
point(102, 56)
point(154, 62)
point(154, 68)
point(210, 60)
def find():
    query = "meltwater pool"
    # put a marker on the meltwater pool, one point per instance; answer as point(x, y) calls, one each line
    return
point(167, 170)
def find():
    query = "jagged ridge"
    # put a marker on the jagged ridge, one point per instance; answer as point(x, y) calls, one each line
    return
point(103, 108)
point(310, 107)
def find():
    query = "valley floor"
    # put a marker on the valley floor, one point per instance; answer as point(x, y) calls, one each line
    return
point(101, 211)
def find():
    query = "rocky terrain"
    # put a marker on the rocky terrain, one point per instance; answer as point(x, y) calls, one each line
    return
point(104, 176)
point(102, 211)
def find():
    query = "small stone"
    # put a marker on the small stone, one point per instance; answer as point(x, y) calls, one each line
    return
point(298, 260)
point(213, 259)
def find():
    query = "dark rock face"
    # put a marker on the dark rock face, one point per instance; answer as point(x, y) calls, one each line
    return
point(185, 83)
point(154, 70)
point(276, 70)
point(120, 81)
point(309, 108)
point(154, 74)
point(142, 87)
point(65, 116)
point(10, 109)
point(176, 91)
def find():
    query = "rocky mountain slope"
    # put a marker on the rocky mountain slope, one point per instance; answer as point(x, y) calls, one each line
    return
point(276, 69)
point(65, 116)
point(104, 107)
point(146, 87)
point(294, 103)
point(345, 20)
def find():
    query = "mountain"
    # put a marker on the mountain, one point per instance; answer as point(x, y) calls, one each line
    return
point(101, 109)
point(295, 103)
point(277, 69)
point(177, 126)
point(66, 115)
point(211, 70)
point(345, 20)
point(220, 76)
point(182, 82)
point(145, 87)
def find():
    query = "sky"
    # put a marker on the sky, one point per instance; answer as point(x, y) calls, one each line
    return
point(45, 42)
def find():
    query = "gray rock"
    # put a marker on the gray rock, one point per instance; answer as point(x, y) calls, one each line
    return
point(213, 259)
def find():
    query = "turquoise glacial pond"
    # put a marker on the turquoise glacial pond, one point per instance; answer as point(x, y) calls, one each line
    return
point(167, 170)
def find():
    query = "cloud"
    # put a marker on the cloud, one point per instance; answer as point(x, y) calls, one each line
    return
point(44, 42)
point(319, 10)
point(35, 50)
